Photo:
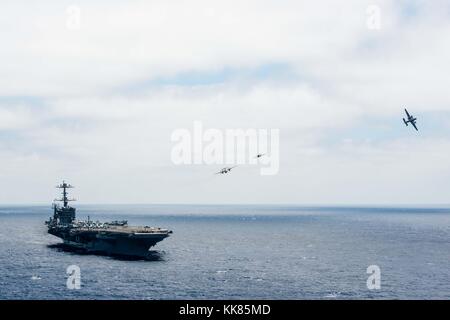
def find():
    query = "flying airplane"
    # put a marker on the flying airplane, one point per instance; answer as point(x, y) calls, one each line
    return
point(411, 120)
point(259, 155)
point(225, 170)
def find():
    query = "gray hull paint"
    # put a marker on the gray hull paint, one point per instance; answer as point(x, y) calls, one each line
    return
point(124, 245)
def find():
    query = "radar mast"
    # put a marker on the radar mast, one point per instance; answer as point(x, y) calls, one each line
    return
point(64, 198)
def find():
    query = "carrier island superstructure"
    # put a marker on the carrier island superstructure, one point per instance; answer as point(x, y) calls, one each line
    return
point(110, 238)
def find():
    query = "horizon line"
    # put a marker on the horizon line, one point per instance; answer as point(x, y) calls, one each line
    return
point(314, 205)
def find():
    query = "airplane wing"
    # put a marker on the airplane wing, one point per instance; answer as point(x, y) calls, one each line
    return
point(407, 113)
point(414, 125)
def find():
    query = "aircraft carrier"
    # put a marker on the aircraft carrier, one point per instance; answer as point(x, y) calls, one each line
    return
point(110, 238)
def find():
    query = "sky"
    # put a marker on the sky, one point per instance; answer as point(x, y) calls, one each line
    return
point(91, 92)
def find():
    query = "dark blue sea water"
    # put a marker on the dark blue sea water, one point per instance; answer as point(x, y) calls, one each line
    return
point(238, 252)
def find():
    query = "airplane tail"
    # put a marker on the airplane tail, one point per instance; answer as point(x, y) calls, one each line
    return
point(406, 122)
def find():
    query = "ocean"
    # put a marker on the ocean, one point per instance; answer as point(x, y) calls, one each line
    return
point(237, 252)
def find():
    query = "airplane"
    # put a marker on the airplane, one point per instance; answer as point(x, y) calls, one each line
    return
point(225, 170)
point(411, 120)
point(259, 155)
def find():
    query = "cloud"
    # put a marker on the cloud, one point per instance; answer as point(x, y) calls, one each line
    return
point(99, 102)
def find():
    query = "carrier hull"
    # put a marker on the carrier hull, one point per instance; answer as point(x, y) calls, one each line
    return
point(110, 243)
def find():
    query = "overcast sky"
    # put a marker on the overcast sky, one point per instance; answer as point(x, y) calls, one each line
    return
point(96, 103)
